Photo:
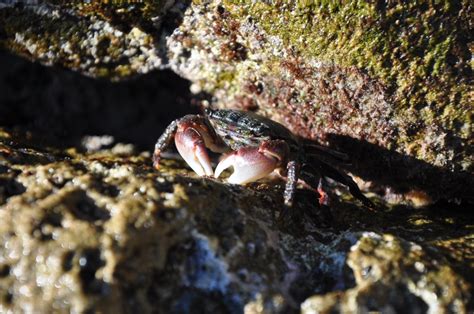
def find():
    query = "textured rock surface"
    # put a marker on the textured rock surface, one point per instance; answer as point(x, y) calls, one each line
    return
point(94, 227)
point(104, 231)
point(97, 39)
point(390, 274)
point(392, 84)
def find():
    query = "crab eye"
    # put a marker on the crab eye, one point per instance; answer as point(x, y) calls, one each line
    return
point(208, 111)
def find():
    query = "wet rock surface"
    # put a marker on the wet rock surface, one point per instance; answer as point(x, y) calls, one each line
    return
point(392, 274)
point(361, 77)
point(86, 223)
point(104, 231)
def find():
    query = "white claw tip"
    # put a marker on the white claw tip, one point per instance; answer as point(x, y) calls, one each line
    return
point(223, 165)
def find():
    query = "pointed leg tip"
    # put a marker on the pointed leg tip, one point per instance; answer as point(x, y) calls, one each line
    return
point(288, 203)
point(284, 215)
point(156, 160)
point(323, 201)
point(323, 196)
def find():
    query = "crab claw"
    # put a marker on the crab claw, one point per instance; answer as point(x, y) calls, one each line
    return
point(191, 147)
point(249, 165)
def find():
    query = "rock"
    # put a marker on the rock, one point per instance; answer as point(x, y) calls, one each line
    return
point(97, 39)
point(392, 276)
point(102, 231)
point(362, 77)
point(87, 224)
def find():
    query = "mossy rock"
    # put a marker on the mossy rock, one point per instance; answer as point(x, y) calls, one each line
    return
point(389, 84)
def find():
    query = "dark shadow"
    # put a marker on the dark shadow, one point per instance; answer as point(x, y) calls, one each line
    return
point(403, 173)
point(63, 106)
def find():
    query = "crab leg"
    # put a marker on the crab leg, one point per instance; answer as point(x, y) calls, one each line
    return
point(291, 181)
point(314, 182)
point(323, 151)
point(164, 141)
point(328, 171)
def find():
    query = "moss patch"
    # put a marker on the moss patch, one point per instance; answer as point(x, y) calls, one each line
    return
point(419, 51)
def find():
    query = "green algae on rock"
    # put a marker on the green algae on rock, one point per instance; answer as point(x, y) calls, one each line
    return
point(344, 70)
point(393, 75)
point(420, 53)
point(103, 231)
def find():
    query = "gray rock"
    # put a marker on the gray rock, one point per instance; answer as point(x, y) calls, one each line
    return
point(358, 76)
point(106, 232)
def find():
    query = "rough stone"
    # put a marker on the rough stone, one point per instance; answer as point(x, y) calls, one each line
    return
point(391, 84)
point(393, 276)
point(86, 223)
point(343, 75)
point(101, 231)
point(98, 39)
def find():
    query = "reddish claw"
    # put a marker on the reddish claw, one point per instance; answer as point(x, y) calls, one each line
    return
point(192, 135)
point(190, 145)
point(253, 163)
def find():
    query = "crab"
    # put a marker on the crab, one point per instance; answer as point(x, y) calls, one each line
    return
point(255, 147)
